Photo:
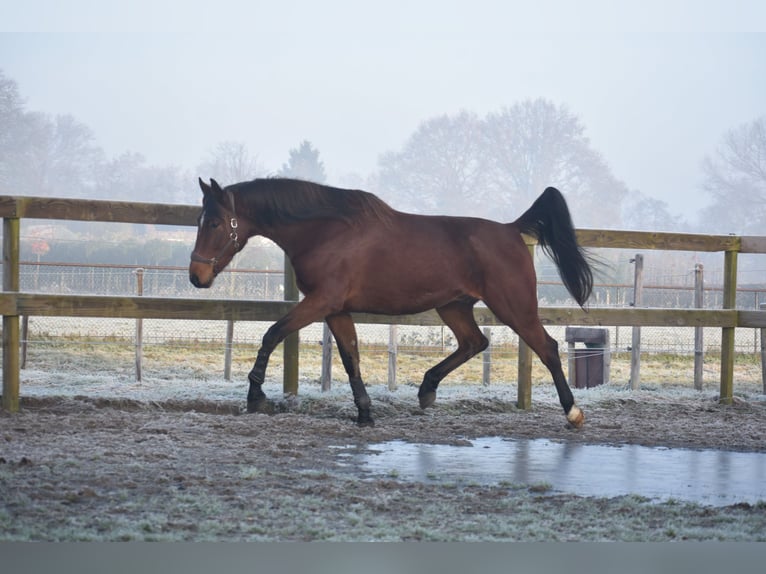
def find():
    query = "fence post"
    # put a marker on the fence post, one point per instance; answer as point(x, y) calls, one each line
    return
point(635, 347)
point(393, 346)
point(727, 333)
point(326, 376)
point(227, 350)
point(756, 305)
point(487, 358)
point(699, 303)
point(139, 325)
point(290, 346)
point(24, 340)
point(11, 366)
point(571, 364)
point(762, 307)
point(524, 391)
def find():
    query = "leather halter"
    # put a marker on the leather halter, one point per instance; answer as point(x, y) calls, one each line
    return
point(233, 240)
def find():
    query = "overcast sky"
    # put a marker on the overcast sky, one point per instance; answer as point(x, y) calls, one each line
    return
point(655, 83)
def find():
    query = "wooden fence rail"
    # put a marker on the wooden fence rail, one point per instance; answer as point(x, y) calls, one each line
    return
point(14, 304)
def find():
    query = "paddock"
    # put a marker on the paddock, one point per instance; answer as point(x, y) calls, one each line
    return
point(172, 459)
point(164, 459)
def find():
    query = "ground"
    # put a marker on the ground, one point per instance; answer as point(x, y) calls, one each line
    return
point(110, 467)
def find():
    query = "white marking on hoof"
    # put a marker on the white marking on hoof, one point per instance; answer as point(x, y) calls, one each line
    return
point(575, 417)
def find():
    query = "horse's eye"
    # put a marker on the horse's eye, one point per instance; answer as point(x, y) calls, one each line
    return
point(213, 224)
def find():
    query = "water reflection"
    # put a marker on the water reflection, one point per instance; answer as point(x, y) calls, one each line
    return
point(706, 476)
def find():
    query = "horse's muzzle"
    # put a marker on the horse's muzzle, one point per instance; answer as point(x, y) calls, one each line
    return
point(201, 276)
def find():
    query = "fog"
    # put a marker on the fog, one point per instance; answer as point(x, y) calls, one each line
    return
point(655, 84)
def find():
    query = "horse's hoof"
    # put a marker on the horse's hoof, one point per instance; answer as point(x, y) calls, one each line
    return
point(427, 399)
point(575, 417)
point(364, 418)
point(365, 421)
point(259, 406)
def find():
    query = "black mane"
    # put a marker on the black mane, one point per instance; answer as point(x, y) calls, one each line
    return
point(275, 201)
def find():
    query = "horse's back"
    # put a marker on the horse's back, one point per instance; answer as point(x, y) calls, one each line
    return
point(414, 262)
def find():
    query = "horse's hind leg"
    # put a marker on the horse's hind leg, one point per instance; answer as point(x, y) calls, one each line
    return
point(342, 327)
point(551, 359)
point(524, 320)
point(458, 316)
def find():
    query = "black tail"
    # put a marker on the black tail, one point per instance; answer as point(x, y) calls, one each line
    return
point(548, 221)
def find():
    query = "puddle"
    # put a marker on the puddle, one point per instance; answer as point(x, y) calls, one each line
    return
point(709, 477)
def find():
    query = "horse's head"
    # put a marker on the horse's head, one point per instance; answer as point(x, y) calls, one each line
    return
point(219, 236)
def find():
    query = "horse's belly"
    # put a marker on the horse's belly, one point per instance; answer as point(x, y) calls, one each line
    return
point(393, 301)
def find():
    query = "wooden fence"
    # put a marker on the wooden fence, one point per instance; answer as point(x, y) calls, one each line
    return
point(14, 304)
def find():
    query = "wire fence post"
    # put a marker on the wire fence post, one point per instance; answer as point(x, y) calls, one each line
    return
point(571, 363)
point(762, 307)
point(699, 293)
point(393, 340)
point(139, 325)
point(326, 376)
point(24, 340)
point(227, 350)
point(487, 358)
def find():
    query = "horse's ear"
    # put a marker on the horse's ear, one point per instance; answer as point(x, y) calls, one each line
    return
point(217, 190)
point(213, 189)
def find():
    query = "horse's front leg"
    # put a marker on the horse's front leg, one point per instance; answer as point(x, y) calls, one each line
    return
point(256, 398)
point(304, 313)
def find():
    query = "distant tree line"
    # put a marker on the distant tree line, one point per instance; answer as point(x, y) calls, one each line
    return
point(492, 166)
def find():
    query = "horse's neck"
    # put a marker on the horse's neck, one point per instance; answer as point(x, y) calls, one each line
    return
point(297, 238)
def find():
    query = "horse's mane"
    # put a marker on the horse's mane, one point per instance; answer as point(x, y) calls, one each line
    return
point(276, 200)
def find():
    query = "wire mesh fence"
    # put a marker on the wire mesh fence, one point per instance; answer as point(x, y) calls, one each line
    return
point(111, 341)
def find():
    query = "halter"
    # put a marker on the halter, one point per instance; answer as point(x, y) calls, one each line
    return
point(233, 240)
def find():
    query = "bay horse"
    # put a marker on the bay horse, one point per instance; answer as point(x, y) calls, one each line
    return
point(352, 252)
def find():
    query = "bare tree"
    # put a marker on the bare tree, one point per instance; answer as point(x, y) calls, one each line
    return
point(230, 162)
point(735, 178)
point(534, 144)
point(442, 168)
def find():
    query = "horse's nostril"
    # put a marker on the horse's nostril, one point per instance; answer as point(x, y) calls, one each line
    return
point(197, 282)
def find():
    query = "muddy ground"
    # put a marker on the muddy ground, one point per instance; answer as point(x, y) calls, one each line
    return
point(112, 468)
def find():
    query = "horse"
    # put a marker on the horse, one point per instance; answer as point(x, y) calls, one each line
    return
point(352, 252)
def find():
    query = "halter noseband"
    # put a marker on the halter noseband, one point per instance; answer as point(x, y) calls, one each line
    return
point(233, 240)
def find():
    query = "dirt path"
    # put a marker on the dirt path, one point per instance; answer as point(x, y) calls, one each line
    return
point(74, 468)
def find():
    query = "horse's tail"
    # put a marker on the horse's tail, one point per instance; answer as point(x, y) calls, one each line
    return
point(548, 221)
